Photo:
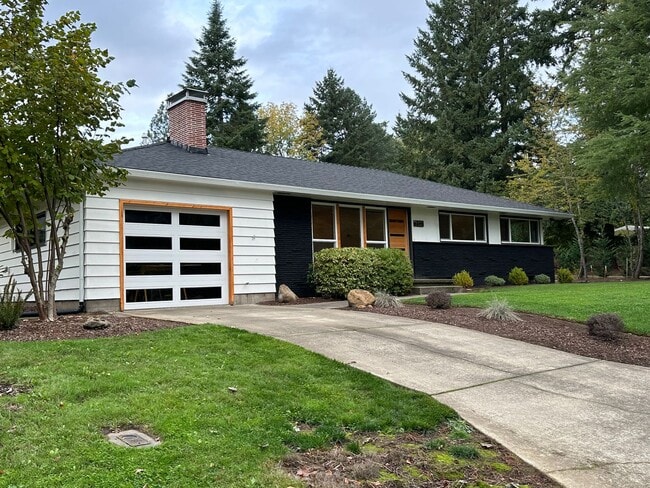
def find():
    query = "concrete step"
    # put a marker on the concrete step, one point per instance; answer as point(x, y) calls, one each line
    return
point(425, 290)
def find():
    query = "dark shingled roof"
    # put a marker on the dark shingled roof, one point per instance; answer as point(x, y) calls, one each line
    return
point(299, 176)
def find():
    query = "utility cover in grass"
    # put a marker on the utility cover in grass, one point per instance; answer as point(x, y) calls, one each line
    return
point(132, 438)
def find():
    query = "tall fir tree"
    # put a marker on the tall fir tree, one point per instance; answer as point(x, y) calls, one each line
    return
point(472, 88)
point(232, 120)
point(351, 135)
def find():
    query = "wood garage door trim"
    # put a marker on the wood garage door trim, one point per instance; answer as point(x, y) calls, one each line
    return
point(175, 205)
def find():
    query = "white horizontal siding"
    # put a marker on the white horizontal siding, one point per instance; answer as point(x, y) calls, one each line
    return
point(253, 234)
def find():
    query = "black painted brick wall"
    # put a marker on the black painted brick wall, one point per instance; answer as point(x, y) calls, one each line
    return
point(292, 243)
point(443, 260)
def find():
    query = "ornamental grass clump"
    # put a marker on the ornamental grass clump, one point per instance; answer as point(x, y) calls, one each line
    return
point(439, 299)
point(606, 326)
point(493, 280)
point(386, 300)
point(12, 305)
point(517, 276)
point(463, 278)
point(499, 309)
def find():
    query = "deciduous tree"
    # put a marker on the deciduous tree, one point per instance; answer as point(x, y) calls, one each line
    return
point(57, 118)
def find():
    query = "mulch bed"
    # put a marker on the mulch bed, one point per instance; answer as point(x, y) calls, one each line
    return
point(550, 332)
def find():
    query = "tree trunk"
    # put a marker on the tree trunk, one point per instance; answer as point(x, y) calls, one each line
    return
point(582, 272)
point(640, 237)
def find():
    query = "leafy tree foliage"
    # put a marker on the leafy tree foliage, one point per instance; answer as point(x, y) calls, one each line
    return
point(57, 118)
point(352, 137)
point(610, 90)
point(471, 86)
point(289, 134)
point(231, 114)
point(158, 127)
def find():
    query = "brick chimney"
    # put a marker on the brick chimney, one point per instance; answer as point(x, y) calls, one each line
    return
point(187, 111)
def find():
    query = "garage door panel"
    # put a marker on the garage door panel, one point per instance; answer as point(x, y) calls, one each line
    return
point(175, 257)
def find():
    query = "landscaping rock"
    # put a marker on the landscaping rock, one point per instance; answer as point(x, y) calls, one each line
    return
point(285, 295)
point(96, 324)
point(360, 298)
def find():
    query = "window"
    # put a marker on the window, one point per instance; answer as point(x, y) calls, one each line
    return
point(462, 227)
point(375, 227)
point(147, 217)
point(323, 226)
point(35, 235)
point(347, 226)
point(520, 231)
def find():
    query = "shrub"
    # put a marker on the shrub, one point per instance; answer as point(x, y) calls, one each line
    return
point(12, 305)
point(499, 309)
point(517, 276)
point(464, 452)
point(542, 279)
point(463, 278)
point(494, 281)
point(564, 275)
point(607, 326)
point(439, 299)
point(337, 271)
point(386, 300)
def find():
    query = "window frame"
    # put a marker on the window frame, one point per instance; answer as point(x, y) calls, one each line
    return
point(41, 217)
point(530, 242)
point(336, 242)
point(450, 216)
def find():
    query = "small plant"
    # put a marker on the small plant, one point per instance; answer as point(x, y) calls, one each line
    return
point(464, 452)
point(459, 429)
point(437, 444)
point(439, 299)
point(517, 276)
point(353, 447)
point(463, 278)
point(493, 280)
point(386, 300)
point(499, 309)
point(12, 305)
point(564, 275)
point(542, 279)
point(606, 326)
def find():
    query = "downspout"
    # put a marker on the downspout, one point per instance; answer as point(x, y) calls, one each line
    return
point(82, 255)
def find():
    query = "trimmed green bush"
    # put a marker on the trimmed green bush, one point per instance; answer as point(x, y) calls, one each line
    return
point(12, 305)
point(493, 280)
point(463, 278)
point(564, 275)
point(517, 276)
point(542, 279)
point(336, 271)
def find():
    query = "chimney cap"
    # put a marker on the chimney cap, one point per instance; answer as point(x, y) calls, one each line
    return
point(193, 94)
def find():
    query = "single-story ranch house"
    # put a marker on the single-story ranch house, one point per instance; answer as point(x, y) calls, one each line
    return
point(198, 225)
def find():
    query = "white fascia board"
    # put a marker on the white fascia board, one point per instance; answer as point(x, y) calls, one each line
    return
point(342, 195)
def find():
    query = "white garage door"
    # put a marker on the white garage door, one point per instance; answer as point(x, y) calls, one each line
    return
point(174, 257)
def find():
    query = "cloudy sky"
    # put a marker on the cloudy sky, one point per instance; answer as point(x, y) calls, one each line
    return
point(289, 45)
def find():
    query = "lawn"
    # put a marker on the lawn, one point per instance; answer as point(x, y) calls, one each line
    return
point(575, 301)
point(175, 384)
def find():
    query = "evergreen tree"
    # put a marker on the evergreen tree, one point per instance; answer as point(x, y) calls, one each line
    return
point(472, 89)
point(158, 127)
point(610, 90)
point(231, 114)
point(351, 135)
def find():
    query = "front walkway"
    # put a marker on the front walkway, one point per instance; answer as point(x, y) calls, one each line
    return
point(585, 422)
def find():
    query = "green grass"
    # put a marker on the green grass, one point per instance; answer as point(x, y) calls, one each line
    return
point(575, 301)
point(174, 384)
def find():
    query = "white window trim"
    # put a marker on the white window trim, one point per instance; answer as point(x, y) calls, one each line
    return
point(540, 240)
point(451, 228)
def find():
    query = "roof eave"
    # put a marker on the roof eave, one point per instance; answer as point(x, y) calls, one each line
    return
point(316, 192)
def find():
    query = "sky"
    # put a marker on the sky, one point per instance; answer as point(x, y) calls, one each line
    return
point(288, 44)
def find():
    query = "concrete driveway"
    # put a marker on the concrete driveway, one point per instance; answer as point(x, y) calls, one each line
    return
point(585, 422)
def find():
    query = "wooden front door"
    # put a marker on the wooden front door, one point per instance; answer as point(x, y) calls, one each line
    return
point(398, 231)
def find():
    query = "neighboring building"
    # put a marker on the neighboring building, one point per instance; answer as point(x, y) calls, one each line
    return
point(195, 225)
